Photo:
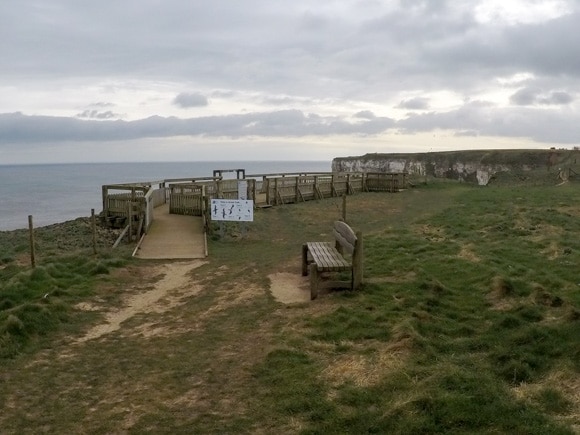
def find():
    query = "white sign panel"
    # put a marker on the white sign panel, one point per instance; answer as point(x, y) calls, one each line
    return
point(243, 189)
point(237, 210)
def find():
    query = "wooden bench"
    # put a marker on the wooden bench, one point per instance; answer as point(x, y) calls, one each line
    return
point(345, 254)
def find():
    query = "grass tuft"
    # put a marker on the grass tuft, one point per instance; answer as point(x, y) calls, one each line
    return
point(501, 287)
point(553, 401)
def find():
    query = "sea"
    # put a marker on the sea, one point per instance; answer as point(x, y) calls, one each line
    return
point(54, 193)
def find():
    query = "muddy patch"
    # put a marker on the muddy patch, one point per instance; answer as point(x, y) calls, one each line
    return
point(290, 288)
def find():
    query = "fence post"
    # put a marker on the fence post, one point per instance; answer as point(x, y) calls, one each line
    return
point(129, 222)
point(105, 194)
point(333, 191)
point(266, 188)
point(32, 250)
point(94, 230)
point(316, 191)
point(297, 191)
point(348, 188)
point(344, 207)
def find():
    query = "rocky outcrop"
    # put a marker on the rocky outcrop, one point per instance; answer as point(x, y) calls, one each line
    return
point(468, 166)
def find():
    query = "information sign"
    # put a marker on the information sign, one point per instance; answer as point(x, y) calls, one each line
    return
point(236, 210)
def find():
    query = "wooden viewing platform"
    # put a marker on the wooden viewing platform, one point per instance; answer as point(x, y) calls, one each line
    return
point(137, 206)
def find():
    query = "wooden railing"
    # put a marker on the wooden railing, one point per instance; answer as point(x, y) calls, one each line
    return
point(186, 199)
point(385, 181)
point(133, 208)
point(191, 196)
point(153, 198)
point(299, 188)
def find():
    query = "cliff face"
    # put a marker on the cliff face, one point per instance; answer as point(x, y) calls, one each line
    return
point(469, 166)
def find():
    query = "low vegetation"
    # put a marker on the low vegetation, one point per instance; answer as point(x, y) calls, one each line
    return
point(469, 322)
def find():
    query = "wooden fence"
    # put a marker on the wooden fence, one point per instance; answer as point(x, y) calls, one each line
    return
point(187, 199)
point(300, 188)
point(135, 205)
point(385, 181)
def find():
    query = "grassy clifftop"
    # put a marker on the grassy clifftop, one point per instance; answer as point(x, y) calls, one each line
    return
point(522, 158)
point(475, 166)
point(468, 322)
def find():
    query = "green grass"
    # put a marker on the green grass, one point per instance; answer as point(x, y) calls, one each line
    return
point(35, 302)
point(468, 322)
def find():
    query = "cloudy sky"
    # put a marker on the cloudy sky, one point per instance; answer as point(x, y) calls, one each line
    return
point(147, 80)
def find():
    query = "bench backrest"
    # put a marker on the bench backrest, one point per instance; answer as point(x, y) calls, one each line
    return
point(346, 240)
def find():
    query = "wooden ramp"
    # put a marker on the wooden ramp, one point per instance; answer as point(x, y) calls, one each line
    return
point(173, 236)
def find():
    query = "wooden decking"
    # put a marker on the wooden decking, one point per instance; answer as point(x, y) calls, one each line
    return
point(173, 237)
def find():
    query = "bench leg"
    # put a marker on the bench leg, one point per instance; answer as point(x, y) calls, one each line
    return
point(353, 285)
point(313, 281)
point(304, 259)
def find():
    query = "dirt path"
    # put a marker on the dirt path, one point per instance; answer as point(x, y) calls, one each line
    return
point(175, 285)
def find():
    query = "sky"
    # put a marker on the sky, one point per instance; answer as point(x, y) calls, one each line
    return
point(190, 80)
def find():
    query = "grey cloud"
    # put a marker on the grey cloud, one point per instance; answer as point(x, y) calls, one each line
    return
point(557, 98)
point(365, 114)
point(186, 100)
point(548, 48)
point(306, 51)
point(280, 101)
point(300, 49)
point(95, 114)
point(532, 96)
point(485, 120)
point(417, 103)
point(19, 128)
point(525, 96)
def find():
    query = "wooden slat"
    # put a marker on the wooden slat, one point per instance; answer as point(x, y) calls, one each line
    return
point(327, 258)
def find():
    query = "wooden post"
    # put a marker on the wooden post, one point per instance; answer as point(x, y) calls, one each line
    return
point(129, 223)
point(253, 189)
point(105, 193)
point(32, 250)
point(344, 207)
point(357, 262)
point(333, 191)
point(276, 191)
point(348, 186)
point(304, 259)
point(313, 281)
point(266, 186)
point(316, 191)
point(296, 192)
point(94, 230)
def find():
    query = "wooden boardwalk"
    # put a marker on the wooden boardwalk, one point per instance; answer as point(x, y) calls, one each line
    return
point(173, 236)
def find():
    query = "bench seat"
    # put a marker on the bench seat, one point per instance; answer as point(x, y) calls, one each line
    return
point(319, 257)
point(327, 257)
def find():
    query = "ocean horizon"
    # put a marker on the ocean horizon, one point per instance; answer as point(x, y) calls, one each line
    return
point(59, 192)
